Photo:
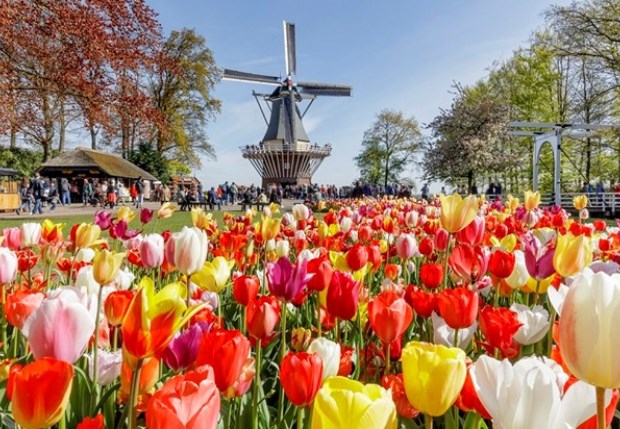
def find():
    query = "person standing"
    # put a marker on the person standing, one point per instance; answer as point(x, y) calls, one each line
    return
point(65, 189)
point(140, 192)
point(36, 187)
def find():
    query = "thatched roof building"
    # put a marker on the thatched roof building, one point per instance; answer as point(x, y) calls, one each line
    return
point(88, 163)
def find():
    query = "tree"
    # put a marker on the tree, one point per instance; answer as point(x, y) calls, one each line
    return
point(389, 145)
point(150, 159)
point(51, 51)
point(181, 87)
point(468, 137)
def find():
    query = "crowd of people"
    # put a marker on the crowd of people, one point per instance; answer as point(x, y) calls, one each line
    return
point(38, 192)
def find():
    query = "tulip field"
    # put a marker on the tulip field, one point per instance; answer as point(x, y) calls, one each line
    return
point(391, 313)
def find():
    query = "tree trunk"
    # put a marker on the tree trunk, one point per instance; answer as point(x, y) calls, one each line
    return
point(62, 128)
point(93, 137)
point(387, 172)
point(13, 138)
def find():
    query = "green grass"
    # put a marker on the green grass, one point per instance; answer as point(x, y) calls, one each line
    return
point(174, 223)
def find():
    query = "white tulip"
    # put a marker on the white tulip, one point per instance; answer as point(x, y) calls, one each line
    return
point(519, 275)
point(282, 248)
point(444, 335)
point(29, 234)
point(330, 355)
point(345, 224)
point(85, 255)
point(529, 394)
point(534, 323)
point(85, 279)
point(301, 212)
point(190, 250)
point(109, 366)
point(8, 266)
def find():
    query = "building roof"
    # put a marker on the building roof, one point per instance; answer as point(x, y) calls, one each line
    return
point(8, 172)
point(93, 163)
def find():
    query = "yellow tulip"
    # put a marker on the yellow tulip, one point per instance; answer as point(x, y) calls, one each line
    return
point(512, 203)
point(530, 286)
point(572, 254)
point(345, 403)
point(456, 212)
point(214, 275)
point(86, 235)
point(532, 199)
point(321, 206)
point(105, 266)
point(166, 210)
point(200, 219)
point(51, 232)
point(126, 214)
point(580, 202)
point(270, 228)
point(433, 375)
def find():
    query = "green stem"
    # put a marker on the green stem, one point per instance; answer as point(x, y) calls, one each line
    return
point(428, 421)
point(282, 353)
point(536, 293)
point(337, 328)
point(256, 384)
point(318, 316)
point(552, 317)
point(14, 350)
point(456, 338)
point(189, 293)
point(300, 417)
point(600, 407)
point(3, 324)
point(133, 396)
point(62, 423)
point(387, 360)
point(115, 338)
point(95, 397)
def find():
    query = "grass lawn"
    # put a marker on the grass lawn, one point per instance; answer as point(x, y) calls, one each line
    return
point(174, 223)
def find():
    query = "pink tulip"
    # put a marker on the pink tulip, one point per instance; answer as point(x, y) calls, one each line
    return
point(60, 328)
point(441, 239)
point(152, 250)
point(8, 266)
point(538, 258)
point(286, 280)
point(406, 246)
point(12, 238)
point(190, 250)
point(473, 233)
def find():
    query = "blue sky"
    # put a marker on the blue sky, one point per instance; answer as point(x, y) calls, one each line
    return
point(397, 54)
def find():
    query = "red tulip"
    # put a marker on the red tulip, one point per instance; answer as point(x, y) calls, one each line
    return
point(422, 302)
point(227, 352)
point(262, 317)
point(431, 275)
point(357, 257)
point(92, 422)
point(499, 325)
point(426, 246)
point(458, 307)
point(322, 271)
point(347, 358)
point(187, 401)
point(469, 400)
point(342, 296)
point(245, 289)
point(468, 262)
point(441, 239)
point(389, 316)
point(26, 260)
point(21, 304)
point(301, 376)
point(501, 263)
point(396, 385)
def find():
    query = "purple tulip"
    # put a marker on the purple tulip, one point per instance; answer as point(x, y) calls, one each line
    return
point(183, 349)
point(538, 258)
point(286, 280)
point(103, 219)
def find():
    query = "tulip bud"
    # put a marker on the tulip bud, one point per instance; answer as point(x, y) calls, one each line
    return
point(406, 246)
point(441, 239)
point(105, 266)
point(282, 248)
point(8, 266)
point(152, 250)
point(30, 234)
point(300, 339)
point(330, 354)
point(85, 254)
point(580, 202)
point(301, 212)
point(86, 235)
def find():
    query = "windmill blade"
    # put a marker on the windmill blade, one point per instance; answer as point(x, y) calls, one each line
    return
point(330, 89)
point(250, 77)
point(290, 56)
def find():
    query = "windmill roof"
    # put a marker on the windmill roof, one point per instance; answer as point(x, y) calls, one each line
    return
point(283, 118)
point(87, 159)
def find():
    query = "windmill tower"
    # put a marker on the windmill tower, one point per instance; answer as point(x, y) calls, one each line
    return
point(285, 154)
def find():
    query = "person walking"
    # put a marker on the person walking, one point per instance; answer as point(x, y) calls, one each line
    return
point(65, 189)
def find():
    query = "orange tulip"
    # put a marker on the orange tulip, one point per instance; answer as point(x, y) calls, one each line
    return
point(189, 401)
point(92, 422)
point(149, 373)
point(116, 306)
point(40, 392)
point(20, 304)
point(153, 319)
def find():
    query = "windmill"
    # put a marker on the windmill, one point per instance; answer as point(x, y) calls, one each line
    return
point(285, 154)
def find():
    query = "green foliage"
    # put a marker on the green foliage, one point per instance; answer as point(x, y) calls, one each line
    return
point(151, 160)
point(181, 88)
point(26, 161)
point(389, 145)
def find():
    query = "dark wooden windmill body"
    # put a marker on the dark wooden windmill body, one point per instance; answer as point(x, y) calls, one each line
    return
point(285, 154)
